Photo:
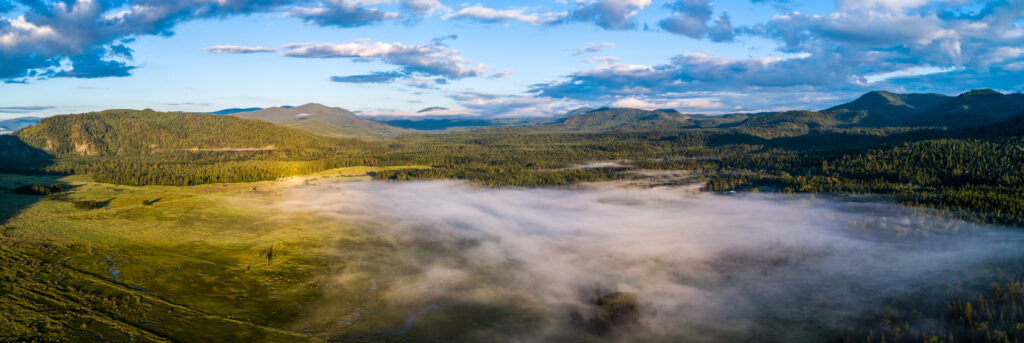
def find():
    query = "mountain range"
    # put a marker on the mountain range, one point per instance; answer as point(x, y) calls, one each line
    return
point(874, 109)
point(871, 110)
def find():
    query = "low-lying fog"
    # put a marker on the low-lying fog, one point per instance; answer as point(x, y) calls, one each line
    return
point(703, 267)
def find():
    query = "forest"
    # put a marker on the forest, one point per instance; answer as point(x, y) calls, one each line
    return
point(974, 173)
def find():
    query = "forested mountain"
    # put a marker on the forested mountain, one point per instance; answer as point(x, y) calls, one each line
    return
point(148, 147)
point(438, 124)
point(322, 120)
point(621, 119)
point(881, 108)
point(872, 110)
point(793, 120)
point(120, 132)
point(974, 108)
point(975, 170)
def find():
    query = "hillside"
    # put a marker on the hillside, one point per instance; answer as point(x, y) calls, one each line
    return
point(129, 132)
point(793, 120)
point(322, 120)
point(874, 109)
point(974, 108)
point(621, 119)
point(881, 108)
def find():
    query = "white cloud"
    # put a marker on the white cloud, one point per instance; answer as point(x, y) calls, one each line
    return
point(234, 49)
point(480, 13)
point(432, 60)
point(698, 104)
point(610, 14)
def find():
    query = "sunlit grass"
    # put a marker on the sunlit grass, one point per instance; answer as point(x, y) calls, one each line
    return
point(202, 249)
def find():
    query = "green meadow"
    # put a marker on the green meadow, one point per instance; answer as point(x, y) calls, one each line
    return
point(202, 263)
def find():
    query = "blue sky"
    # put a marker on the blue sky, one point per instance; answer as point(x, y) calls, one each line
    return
point(497, 58)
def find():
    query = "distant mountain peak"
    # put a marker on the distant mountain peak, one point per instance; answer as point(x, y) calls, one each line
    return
point(312, 106)
point(882, 98)
point(322, 120)
point(236, 110)
point(980, 92)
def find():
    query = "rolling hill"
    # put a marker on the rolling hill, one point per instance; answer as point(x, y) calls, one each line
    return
point(871, 110)
point(974, 108)
point(621, 119)
point(793, 120)
point(129, 132)
point(881, 108)
point(322, 120)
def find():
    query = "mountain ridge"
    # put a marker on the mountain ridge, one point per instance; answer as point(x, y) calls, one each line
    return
point(323, 120)
point(871, 110)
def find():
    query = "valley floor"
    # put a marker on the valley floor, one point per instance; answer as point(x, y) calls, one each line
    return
point(299, 259)
point(203, 263)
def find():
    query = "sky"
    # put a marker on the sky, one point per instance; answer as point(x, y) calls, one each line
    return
point(497, 58)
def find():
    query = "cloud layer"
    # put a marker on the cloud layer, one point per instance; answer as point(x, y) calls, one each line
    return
point(434, 60)
point(705, 268)
point(862, 45)
point(906, 46)
point(90, 38)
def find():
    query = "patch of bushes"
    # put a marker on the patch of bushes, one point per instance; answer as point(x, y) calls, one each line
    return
point(37, 189)
point(91, 204)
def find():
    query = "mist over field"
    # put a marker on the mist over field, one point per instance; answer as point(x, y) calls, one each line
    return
point(703, 267)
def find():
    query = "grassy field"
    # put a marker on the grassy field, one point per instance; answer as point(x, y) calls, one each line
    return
point(187, 264)
point(238, 262)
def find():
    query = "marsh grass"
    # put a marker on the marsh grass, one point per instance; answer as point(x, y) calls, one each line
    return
point(185, 268)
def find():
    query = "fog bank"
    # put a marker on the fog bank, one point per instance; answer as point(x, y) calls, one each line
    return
point(704, 267)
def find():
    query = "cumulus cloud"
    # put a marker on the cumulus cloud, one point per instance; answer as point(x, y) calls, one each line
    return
point(89, 38)
point(510, 105)
point(704, 268)
point(422, 6)
point(355, 13)
point(610, 14)
point(480, 13)
point(845, 51)
point(898, 34)
point(234, 49)
point(695, 104)
point(687, 72)
point(692, 18)
point(435, 60)
point(343, 13)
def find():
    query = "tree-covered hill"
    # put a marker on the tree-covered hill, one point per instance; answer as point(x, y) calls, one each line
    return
point(148, 147)
point(881, 108)
point(790, 120)
point(322, 120)
point(622, 119)
point(877, 109)
point(129, 132)
point(974, 108)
